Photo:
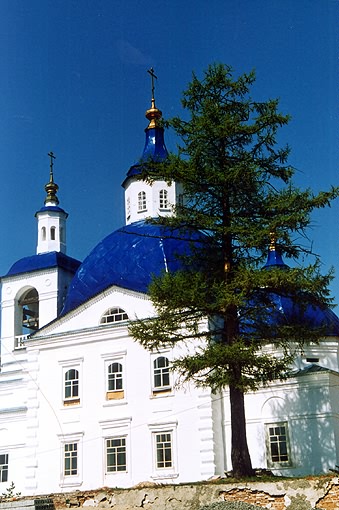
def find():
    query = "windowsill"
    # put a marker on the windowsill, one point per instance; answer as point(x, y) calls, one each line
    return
point(141, 211)
point(72, 402)
point(163, 389)
point(281, 465)
point(70, 483)
point(116, 473)
point(163, 392)
point(164, 476)
point(115, 395)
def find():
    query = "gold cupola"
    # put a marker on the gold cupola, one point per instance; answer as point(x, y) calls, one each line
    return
point(51, 187)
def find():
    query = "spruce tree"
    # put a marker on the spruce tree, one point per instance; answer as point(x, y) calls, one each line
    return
point(238, 194)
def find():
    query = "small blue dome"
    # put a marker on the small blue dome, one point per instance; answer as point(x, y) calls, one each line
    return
point(44, 261)
point(287, 311)
point(274, 260)
point(155, 150)
point(51, 208)
point(128, 258)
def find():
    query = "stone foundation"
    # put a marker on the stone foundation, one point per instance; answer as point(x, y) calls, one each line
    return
point(284, 494)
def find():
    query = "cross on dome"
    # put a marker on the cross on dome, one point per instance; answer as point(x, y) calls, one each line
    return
point(153, 114)
point(151, 72)
point(51, 187)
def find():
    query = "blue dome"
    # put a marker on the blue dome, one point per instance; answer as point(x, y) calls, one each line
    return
point(285, 310)
point(155, 150)
point(128, 258)
point(131, 255)
point(51, 208)
point(44, 261)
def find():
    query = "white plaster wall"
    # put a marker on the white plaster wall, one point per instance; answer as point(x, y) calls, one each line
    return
point(306, 404)
point(187, 411)
point(46, 284)
point(89, 314)
point(200, 421)
point(47, 220)
point(13, 413)
point(152, 199)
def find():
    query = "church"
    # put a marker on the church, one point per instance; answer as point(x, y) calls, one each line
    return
point(83, 405)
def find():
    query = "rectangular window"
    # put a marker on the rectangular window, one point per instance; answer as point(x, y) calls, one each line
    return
point(4, 467)
point(141, 201)
point(163, 446)
point(278, 444)
point(163, 199)
point(71, 459)
point(116, 454)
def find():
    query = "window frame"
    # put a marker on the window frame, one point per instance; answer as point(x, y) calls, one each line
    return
point(161, 372)
point(113, 312)
point(118, 396)
point(115, 454)
point(128, 208)
point(111, 429)
point(163, 445)
point(4, 467)
point(142, 201)
point(71, 384)
point(66, 366)
point(72, 479)
point(74, 397)
point(163, 200)
point(73, 469)
point(115, 393)
point(281, 450)
point(169, 471)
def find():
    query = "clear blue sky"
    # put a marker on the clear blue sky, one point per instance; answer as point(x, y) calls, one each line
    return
point(73, 80)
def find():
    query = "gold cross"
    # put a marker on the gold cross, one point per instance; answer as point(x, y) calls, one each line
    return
point(51, 155)
point(151, 72)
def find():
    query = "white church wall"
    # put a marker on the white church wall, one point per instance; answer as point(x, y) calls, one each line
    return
point(325, 353)
point(89, 314)
point(153, 206)
point(12, 445)
point(141, 413)
point(46, 284)
point(306, 407)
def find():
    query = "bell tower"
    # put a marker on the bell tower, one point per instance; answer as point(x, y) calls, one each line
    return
point(51, 218)
point(34, 289)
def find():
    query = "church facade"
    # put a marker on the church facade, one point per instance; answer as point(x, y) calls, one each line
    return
point(82, 405)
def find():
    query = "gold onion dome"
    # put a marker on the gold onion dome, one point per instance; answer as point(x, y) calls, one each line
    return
point(153, 115)
point(51, 187)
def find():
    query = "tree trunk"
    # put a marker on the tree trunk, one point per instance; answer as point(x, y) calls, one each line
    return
point(241, 461)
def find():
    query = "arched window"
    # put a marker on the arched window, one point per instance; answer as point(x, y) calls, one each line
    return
point(114, 315)
point(27, 319)
point(115, 381)
point(53, 233)
point(163, 199)
point(161, 373)
point(71, 384)
point(43, 233)
point(128, 207)
point(141, 201)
